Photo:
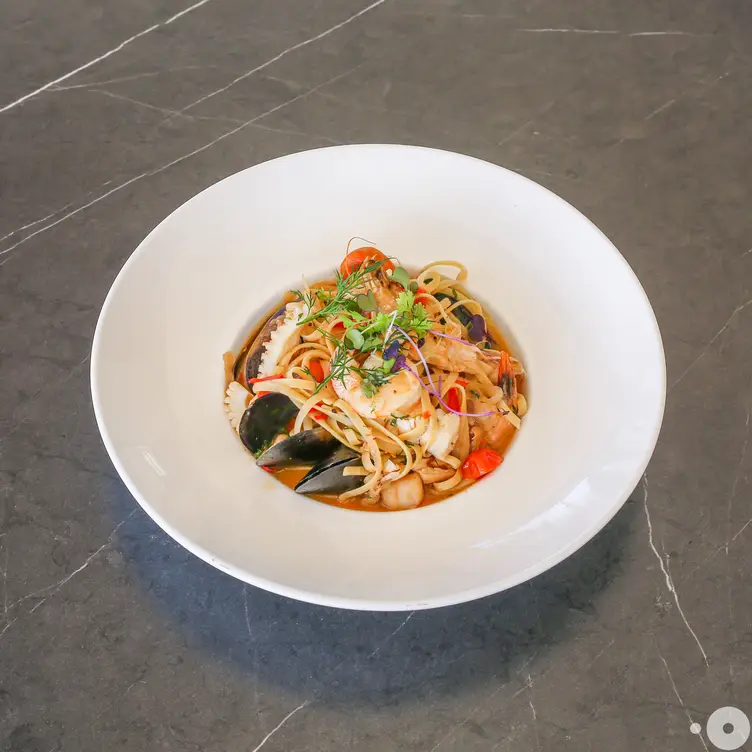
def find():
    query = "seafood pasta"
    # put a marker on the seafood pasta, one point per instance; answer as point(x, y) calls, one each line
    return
point(379, 389)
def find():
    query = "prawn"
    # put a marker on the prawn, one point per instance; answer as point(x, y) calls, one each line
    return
point(397, 395)
point(451, 355)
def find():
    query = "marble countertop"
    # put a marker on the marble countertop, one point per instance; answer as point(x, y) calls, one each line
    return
point(113, 637)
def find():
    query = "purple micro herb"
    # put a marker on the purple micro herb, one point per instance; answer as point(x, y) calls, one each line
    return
point(477, 328)
point(392, 350)
point(399, 364)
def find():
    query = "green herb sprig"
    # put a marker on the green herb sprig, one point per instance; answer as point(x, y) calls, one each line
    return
point(343, 298)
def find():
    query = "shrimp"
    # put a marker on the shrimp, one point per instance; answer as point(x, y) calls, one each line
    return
point(456, 356)
point(384, 290)
point(494, 431)
point(399, 394)
point(405, 493)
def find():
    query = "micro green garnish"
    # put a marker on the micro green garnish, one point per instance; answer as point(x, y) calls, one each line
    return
point(355, 338)
point(342, 364)
point(410, 316)
point(368, 302)
point(401, 276)
point(372, 380)
point(343, 296)
point(362, 334)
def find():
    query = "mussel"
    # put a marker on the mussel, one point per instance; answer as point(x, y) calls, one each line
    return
point(249, 360)
point(264, 420)
point(326, 477)
point(268, 417)
point(304, 448)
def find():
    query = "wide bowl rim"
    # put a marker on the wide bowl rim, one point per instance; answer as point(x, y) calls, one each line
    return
point(312, 596)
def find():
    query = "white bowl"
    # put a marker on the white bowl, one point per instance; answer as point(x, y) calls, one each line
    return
point(569, 302)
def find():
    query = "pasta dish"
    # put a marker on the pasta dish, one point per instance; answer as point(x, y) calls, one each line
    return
point(379, 389)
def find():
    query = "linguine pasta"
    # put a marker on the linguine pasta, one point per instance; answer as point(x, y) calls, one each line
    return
point(404, 374)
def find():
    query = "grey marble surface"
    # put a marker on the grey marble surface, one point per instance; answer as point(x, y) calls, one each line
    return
point(112, 114)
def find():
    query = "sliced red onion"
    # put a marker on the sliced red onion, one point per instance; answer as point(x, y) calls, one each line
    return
point(455, 339)
point(399, 363)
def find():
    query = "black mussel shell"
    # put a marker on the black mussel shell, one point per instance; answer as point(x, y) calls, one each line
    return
point(249, 361)
point(264, 420)
point(304, 448)
point(327, 478)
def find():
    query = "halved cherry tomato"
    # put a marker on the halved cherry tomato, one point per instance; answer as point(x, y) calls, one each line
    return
point(316, 369)
point(461, 382)
point(480, 463)
point(453, 400)
point(266, 378)
point(316, 414)
point(354, 259)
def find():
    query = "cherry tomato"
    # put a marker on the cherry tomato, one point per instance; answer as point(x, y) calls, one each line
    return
point(453, 400)
point(266, 378)
point(354, 259)
point(480, 463)
point(316, 369)
point(461, 382)
point(317, 414)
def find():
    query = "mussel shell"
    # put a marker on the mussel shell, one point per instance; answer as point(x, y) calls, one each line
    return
point(327, 478)
point(267, 416)
point(304, 448)
point(249, 361)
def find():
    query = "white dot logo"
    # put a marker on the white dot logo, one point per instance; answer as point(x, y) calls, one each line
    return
point(728, 728)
